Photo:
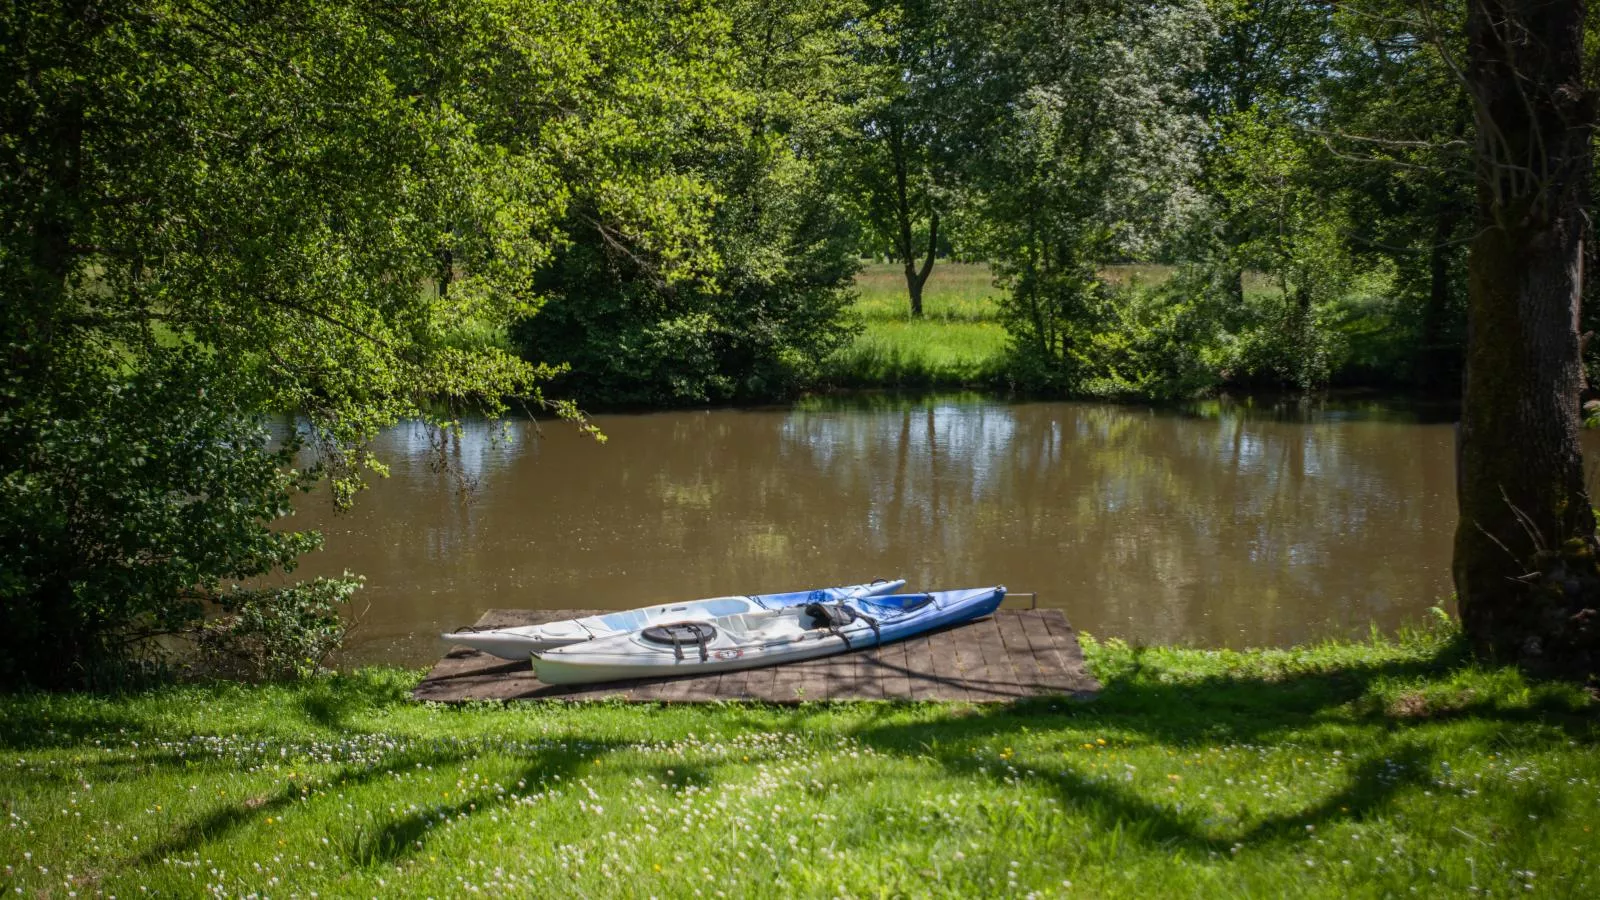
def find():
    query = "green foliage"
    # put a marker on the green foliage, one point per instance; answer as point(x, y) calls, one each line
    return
point(215, 211)
point(757, 318)
point(275, 633)
point(126, 500)
point(1090, 163)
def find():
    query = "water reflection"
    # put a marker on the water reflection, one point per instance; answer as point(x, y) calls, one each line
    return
point(1221, 524)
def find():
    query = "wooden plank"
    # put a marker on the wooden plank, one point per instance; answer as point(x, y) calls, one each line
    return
point(786, 683)
point(1012, 654)
point(677, 690)
point(1066, 644)
point(609, 690)
point(1054, 677)
point(648, 690)
point(872, 668)
point(998, 681)
point(761, 684)
point(1019, 651)
point(957, 646)
point(895, 678)
point(925, 683)
point(735, 686)
point(813, 680)
point(838, 675)
point(705, 687)
point(863, 681)
point(953, 663)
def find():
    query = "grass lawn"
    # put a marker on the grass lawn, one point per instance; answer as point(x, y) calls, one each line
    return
point(1384, 768)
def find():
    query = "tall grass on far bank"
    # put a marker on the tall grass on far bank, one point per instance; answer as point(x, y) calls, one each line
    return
point(958, 341)
point(1376, 768)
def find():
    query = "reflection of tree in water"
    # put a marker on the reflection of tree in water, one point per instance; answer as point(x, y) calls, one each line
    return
point(1164, 526)
point(1229, 527)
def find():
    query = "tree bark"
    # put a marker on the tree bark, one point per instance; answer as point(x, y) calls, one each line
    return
point(1439, 360)
point(1525, 542)
point(915, 280)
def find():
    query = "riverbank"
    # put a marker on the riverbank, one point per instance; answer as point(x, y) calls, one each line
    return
point(1379, 767)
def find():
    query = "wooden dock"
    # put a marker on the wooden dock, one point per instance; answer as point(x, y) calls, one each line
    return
point(1011, 655)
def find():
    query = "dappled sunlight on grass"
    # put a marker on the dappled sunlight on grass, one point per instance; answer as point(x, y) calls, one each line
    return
point(1375, 766)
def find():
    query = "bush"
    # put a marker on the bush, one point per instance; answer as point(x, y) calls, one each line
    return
point(277, 633)
point(125, 500)
point(758, 328)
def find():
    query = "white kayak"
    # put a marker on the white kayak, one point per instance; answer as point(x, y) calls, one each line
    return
point(520, 641)
point(763, 638)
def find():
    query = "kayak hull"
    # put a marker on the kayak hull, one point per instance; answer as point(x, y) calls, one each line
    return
point(772, 637)
point(518, 642)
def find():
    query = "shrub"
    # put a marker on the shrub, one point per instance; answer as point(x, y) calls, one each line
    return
point(276, 633)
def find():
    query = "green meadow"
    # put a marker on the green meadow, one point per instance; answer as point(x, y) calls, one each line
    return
point(1389, 767)
point(959, 340)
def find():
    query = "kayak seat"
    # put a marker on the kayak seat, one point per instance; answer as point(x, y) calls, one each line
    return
point(680, 634)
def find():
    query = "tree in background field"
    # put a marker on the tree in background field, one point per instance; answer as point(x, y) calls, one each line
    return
point(1092, 160)
point(914, 117)
point(1525, 550)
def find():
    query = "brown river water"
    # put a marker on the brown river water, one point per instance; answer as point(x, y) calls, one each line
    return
point(1214, 524)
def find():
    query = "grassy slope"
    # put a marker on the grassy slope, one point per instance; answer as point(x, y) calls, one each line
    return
point(1373, 769)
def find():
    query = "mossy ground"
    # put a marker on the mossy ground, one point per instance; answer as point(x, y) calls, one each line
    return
point(1385, 767)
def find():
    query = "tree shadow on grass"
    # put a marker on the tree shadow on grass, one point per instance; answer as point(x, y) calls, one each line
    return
point(36, 721)
point(219, 822)
point(1139, 706)
point(30, 722)
point(332, 701)
point(405, 836)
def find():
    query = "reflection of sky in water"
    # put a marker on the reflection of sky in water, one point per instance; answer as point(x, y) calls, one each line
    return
point(974, 437)
point(474, 451)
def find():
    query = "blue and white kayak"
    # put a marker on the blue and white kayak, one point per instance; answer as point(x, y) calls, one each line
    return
point(763, 638)
point(520, 641)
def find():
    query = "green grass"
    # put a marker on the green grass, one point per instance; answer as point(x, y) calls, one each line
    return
point(958, 340)
point(1376, 768)
point(955, 292)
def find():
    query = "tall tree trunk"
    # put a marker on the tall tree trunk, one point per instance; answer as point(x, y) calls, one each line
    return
point(1525, 542)
point(907, 249)
point(1233, 287)
point(1439, 360)
point(445, 264)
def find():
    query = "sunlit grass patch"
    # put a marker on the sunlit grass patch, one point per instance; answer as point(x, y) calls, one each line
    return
point(1197, 773)
point(955, 292)
point(957, 341)
point(920, 354)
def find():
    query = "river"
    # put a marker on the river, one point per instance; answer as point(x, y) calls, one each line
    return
point(1215, 524)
